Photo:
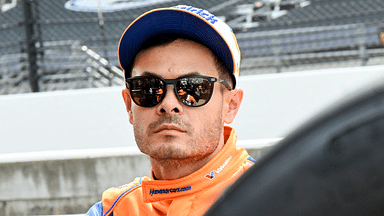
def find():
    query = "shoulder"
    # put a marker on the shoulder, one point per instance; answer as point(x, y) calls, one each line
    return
point(114, 194)
point(245, 162)
point(95, 210)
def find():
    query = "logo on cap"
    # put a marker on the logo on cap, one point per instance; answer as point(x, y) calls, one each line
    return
point(202, 13)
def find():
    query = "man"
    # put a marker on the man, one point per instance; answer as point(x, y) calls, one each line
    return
point(181, 66)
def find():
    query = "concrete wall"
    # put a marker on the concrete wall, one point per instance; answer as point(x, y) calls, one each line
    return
point(65, 186)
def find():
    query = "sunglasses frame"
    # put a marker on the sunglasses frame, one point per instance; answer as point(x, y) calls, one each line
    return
point(174, 82)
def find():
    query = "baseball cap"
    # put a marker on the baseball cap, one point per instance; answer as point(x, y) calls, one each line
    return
point(183, 20)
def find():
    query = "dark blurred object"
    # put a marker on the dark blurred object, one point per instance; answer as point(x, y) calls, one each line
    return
point(333, 165)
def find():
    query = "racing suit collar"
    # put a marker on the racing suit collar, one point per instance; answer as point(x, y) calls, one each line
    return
point(217, 170)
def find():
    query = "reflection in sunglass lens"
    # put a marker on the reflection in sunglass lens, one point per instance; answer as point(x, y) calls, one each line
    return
point(147, 92)
point(194, 91)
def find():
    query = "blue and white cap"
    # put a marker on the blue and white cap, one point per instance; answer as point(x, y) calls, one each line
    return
point(184, 20)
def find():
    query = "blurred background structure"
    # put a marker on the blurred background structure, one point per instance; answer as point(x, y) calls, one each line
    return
point(49, 45)
point(72, 44)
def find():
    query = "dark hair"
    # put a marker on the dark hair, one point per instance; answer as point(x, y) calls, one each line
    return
point(165, 39)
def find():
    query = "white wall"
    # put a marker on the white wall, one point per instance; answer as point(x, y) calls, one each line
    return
point(75, 119)
point(274, 104)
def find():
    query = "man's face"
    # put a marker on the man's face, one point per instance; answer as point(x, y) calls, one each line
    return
point(172, 130)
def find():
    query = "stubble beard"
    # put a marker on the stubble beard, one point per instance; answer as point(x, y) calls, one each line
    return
point(197, 146)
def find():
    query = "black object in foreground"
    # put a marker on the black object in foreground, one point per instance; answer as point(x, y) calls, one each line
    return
point(333, 165)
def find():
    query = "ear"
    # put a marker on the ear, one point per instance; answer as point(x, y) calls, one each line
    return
point(128, 103)
point(233, 102)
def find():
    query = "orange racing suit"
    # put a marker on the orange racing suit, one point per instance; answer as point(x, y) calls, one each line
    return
point(190, 195)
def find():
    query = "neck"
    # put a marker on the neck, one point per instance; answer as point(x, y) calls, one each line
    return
point(169, 169)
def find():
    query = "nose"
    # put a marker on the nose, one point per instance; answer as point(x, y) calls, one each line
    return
point(170, 104)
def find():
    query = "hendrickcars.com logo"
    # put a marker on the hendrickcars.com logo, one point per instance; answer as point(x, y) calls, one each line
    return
point(172, 190)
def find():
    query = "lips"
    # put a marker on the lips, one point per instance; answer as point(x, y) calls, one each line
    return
point(168, 127)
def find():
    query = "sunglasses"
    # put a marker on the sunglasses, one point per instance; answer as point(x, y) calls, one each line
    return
point(192, 91)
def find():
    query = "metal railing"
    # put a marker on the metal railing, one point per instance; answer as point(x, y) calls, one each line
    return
point(67, 49)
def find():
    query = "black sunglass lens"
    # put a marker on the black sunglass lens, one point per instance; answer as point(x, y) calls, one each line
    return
point(147, 92)
point(194, 91)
